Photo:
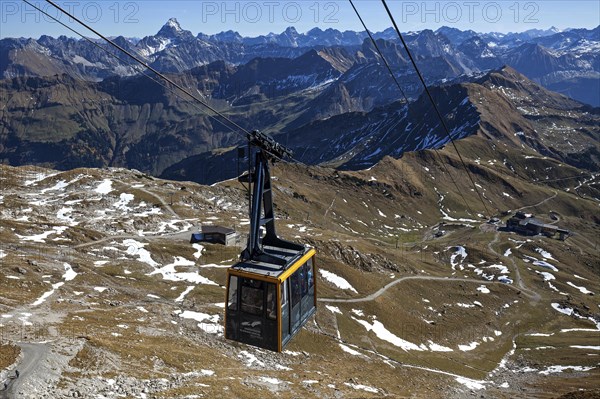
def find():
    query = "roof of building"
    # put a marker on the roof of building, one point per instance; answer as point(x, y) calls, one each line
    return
point(537, 222)
point(531, 221)
point(522, 215)
point(216, 229)
point(524, 221)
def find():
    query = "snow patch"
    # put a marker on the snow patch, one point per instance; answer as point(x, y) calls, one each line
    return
point(483, 289)
point(271, 380)
point(100, 263)
point(69, 273)
point(349, 350)
point(545, 254)
point(333, 309)
point(64, 214)
point(199, 317)
point(169, 272)
point(250, 359)
point(540, 263)
point(438, 348)
point(199, 248)
point(581, 289)
point(124, 199)
point(469, 347)
point(40, 238)
point(361, 387)
point(559, 308)
point(105, 187)
point(560, 369)
point(59, 186)
point(547, 276)
point(589, 347)
point(181, 297)
point(385, 335)
point(137, 248)
point(471, 384)
point(336, 280)
point(460, 251)
point(47, 294)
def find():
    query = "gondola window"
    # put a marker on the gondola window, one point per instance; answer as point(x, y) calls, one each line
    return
point(233, 293)
point(252, 297)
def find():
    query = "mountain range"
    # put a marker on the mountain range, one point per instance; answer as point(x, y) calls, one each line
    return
point(566, 61)
point(126, 122)
point(503, 106)
point(422, 292)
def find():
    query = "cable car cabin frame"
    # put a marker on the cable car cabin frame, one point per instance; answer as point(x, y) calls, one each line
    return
point(271, 291)
point(267, 306)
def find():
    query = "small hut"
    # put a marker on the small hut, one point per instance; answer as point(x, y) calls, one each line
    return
point(215, 235)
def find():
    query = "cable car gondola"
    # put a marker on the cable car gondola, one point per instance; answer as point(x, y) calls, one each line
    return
point(271, 291)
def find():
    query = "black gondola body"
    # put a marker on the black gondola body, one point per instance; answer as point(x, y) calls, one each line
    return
point(266, 305)
point(271, 291)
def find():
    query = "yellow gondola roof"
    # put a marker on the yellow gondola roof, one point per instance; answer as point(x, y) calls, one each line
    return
point(270, 270)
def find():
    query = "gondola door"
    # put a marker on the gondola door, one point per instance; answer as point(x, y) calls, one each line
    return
point(295, 302)
point(252, 312)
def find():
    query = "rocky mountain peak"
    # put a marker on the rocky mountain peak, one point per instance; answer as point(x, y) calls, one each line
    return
point(173, 23)
point(291, 31)
point(229, 36)
point(171, 29)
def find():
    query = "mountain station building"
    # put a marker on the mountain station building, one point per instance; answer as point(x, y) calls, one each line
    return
point(215, 235)
point(528, 225)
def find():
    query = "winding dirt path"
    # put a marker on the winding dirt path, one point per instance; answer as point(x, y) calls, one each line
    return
point(160, 199)
point(539, 203)
point(33, 356)
point(181, 234)
point(534, 296)
point(382, 290)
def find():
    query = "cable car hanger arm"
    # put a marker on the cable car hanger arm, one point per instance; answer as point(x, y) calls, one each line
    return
point(262, 202)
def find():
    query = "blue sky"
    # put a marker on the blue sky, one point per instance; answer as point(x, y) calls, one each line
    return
point(252, 18)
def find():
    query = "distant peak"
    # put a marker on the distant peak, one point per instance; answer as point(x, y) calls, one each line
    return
point(171, 28)
point(173, 23)
point(291, 30)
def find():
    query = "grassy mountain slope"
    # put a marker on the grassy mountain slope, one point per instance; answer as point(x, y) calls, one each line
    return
point(506, 110)
point(121, 322)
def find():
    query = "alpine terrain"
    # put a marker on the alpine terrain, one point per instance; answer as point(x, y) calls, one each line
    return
point(458, 264)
